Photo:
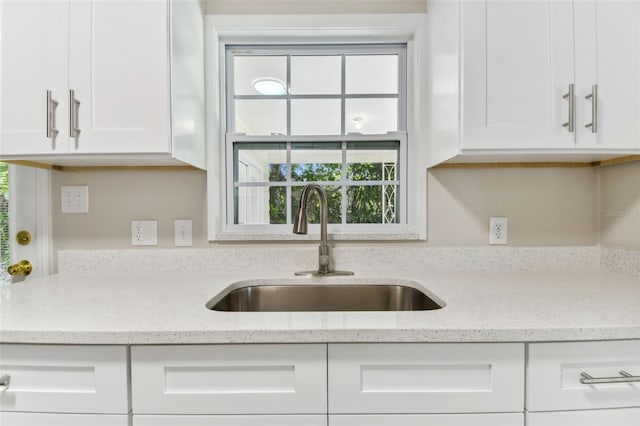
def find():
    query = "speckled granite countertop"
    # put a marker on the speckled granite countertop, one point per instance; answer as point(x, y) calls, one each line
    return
point(170, 308)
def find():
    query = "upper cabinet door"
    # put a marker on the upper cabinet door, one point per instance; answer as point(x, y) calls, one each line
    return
point(608, 55)
point(119, 72)
point(517, 65)
point(33, 60)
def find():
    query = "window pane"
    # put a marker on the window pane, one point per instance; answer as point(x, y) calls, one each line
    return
point(371, 116)
point(371, 74)
point(261, 117)
point(334, 204)
point(372, 204)
point(253, 204)
point(315, 117)
point(316, 75)
point(260, 162)
point(313, 162)
point(249, 70)
point(367, 161)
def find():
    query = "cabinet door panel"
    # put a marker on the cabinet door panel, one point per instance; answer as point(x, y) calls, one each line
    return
point(620, 417)
point(257, 420)
point(425, 378)
point(608, 54)
point(510, 419)
point(34, 50)
point(553, 375)
point(119, 70)
point(67, 379)
point(229, 379)
point(518, 63)
point(36, 419)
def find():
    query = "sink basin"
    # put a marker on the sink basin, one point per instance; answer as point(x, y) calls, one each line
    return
point(322, 297)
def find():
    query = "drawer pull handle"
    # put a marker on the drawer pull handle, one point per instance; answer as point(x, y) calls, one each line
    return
point(624, 378)
point(5, 381)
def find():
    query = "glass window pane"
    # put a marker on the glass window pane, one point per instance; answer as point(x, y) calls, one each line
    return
point(316, 75)
point(315, 162)
point(371, 116)
point(260, 205)
point(260, 162)
point(261, 117)
point(372, 204)
point(250, 70)
point(315, 117)
point(371, 74)
point(334, 204)
point(371, 161)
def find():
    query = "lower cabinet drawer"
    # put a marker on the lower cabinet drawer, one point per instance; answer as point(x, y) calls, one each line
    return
point(554, 373)
point(426, 378)
point(507, 419)
point(255, 420)
point(38, 419)
point(229, 379)
point(614, 417)
point(65, 379)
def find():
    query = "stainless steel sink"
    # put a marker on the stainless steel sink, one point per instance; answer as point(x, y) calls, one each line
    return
point(322, 297)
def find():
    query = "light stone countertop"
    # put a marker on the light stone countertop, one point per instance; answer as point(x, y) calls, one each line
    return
point(169, 308)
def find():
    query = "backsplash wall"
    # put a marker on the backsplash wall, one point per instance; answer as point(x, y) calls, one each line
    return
point(619, 214)
point(545, 207)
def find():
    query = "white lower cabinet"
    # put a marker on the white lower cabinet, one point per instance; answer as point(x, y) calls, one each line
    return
point(616, 417)
point(508, 419)
point(420, 378)
point(237, 420)
point(41, 419)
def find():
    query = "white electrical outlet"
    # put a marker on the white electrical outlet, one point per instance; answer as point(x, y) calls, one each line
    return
point(183, 232)
point(144, 232)
point(498, 230)
point(74, 199)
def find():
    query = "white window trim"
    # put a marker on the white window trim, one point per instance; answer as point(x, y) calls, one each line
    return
point(222, 30)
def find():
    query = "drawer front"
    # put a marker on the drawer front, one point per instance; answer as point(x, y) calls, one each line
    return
point(253, 420)
point(506, 419)
point(553, 375)
point(65, 379)
point(615, 417)
point(37, 419)
point(229, 379)
point(426, 378)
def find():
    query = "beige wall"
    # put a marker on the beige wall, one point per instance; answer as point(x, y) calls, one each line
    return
point(620, 206)
point(545, 206)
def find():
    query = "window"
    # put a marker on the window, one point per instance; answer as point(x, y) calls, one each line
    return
point(334, 115)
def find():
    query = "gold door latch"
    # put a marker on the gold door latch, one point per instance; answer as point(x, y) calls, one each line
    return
point(23, 238)
point(22, 268)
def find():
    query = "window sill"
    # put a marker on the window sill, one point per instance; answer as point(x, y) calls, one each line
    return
point(382, 236)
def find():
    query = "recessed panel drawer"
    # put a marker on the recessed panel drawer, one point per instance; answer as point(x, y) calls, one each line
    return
point(229, 379)
point(554, 372)
point(41, 419)
point(426, 378)
point(502, 419)
point(235, 420)
point(614, 417)
point(65, 379)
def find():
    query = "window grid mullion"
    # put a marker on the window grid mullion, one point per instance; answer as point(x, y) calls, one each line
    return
point(343, 183)
point(288, 190)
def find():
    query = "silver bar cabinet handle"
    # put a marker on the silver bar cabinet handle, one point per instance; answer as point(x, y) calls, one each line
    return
point(594, 109)
point(5, 381)
point(570, 125)
point(624, 378)
point(74, 104)
point(51, 116)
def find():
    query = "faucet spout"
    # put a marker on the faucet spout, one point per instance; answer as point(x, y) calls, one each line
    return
point(300, 227)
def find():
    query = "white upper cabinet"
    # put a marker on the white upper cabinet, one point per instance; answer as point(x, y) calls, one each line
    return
point(108, 66)
point(522, 75)
point(517, 65)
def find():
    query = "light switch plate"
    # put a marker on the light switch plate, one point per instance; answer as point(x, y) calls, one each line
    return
point(183, 232)
point(144, 232)
point(74, 198)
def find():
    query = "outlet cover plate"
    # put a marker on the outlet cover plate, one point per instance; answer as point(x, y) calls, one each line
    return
point(183, 233)
point(74, 198)
point(144, 232)
point(498, 230)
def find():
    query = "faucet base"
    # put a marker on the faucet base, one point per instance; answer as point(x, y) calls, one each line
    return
point(318, 274)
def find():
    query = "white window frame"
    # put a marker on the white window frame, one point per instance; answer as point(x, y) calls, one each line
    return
point(223, 30)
